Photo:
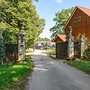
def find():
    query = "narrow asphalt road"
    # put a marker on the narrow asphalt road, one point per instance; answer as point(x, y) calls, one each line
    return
point(55, 75)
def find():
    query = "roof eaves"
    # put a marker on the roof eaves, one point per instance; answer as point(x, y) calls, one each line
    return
point(70, 16)
point(83, 9)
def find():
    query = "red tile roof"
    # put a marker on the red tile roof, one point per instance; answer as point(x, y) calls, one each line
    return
point(85, 10)
point(60, 37)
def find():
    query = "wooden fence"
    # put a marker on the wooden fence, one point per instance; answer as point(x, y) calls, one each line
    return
point(11, 53)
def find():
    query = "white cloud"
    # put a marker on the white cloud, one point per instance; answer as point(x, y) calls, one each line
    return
point(59, 1)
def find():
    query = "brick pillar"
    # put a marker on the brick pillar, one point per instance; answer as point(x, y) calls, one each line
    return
point(70, 41)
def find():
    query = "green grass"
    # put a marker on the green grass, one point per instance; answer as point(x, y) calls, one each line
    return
point(54, 57)
point(81, 65)
point(13, 77)
point(50, 50)
point(28, 51)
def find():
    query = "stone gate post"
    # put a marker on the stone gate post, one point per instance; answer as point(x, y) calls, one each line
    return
point(21, 42)
point(82, 45)
point(70, 45)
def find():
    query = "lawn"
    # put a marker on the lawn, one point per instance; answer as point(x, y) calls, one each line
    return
point(50, 50)
point(81, 65)
point(28, 51)
point(14, 77)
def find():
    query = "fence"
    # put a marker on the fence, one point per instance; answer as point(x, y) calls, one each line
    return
point(11, 53)
point(61, 49)
point(77, 50)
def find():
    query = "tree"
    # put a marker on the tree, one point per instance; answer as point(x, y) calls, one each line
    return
point(44, 39)
point(60, 19)
point(36, 0)
point(13, 11)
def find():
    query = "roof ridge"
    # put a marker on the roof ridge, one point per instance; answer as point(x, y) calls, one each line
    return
point(85, 10)
point(82, 7)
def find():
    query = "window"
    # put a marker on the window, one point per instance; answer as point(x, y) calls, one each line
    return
point(75, 20)
point(79, 18)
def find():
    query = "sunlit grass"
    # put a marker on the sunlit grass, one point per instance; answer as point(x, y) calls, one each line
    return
point(28, 51)
point(13, 77)
point(50, 50)
point(82, 65)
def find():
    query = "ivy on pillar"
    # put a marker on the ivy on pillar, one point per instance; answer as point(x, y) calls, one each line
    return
point(21, 42)
point(1, 47)
point(82, 45)
point(70, 42)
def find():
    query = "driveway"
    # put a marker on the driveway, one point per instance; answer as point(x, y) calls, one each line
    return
point(55, 75)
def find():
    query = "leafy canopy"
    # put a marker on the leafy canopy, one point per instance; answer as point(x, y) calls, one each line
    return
point(43, 39)
point(60, 19)
point(13, 11)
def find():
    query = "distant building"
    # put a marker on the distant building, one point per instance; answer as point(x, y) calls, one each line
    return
point(44, 44)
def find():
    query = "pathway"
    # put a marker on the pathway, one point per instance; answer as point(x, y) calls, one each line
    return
point(55, 75)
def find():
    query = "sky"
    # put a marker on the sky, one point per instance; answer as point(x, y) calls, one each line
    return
point(47, 9)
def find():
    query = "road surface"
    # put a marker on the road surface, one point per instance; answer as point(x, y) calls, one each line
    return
point(49, 74)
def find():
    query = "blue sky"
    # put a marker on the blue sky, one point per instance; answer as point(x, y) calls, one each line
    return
point(47, 9)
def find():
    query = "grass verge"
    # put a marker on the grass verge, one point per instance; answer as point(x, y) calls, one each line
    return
point(53, 57)
point(14, 77)
point(81, 65)
point(28, 51)
point(50, 50)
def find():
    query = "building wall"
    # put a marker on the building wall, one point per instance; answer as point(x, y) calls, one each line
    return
point(61, 50)
point(80, 24)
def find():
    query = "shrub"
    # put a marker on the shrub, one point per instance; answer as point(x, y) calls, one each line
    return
point(86, 55)
point(46, 47)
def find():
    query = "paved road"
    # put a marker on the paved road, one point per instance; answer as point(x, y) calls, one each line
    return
point(55, 75)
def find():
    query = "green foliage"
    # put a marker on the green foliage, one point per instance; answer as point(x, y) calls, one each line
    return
point(50, 50)
point(1, 52)
point(36, 0)
point(13, 77)
point(46, 47)
point(44, 39)
point(82, 65)
point(13, 11)
point(28, 51)
point(60, 19)
point(86, 55)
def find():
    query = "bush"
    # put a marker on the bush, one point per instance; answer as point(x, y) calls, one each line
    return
point(1, 52)
point(86, 55)
point(46, 47)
